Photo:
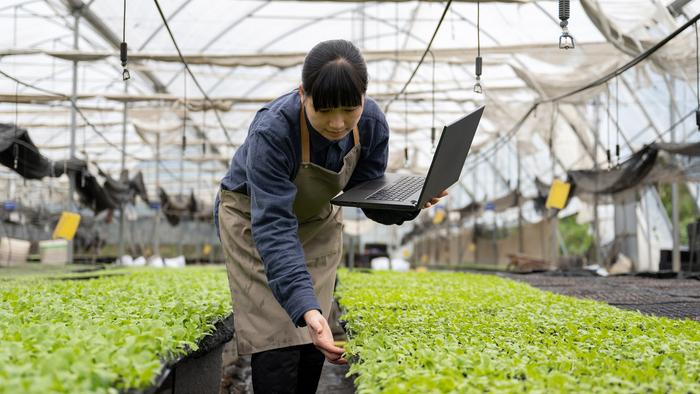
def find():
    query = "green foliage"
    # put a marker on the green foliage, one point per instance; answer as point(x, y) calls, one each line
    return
point(687, 210)
point(464, 333)
point(107, 334)
point(576, 236)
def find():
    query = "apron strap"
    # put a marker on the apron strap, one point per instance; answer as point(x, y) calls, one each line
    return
point(305, 155)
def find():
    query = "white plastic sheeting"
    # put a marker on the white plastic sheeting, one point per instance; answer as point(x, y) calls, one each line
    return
point(245, 53)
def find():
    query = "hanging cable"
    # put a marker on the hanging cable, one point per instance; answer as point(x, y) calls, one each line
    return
point(405, 132)
point(617, 119)
point(204, 125)
point(697, 77)
point(184, 117)
point(472, 164)
point(16, 147)
point(566, 40)
point(413, 74)
point(607, 147)
point(194, 79)
point(509, 163)
point(82, 115)
point(639, 58)
point(553, 123)
point(478, 63)
point(396, 47)
point(432, 128)
point(83, 173)
point(122, 48)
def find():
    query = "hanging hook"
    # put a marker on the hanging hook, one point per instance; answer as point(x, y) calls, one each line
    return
point(405, 148)
point(697, 79)
point(123, 48)
point(432, 128)
point(566, 40)
point(478, 65)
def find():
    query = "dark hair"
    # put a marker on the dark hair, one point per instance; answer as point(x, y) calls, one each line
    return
point(334, 75)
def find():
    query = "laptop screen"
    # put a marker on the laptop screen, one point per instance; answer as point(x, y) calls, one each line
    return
point(450, 155)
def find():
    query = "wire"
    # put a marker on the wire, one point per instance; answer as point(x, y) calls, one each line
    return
point(80, 112)
point(194, 79)
point(595, 83)
point(124, 24)
point(63, 96)
point(478, 28)
point(405, 134)
point(626, 66)
point(617, 119)
point(432, 122)
point(483, 154)
point(184, 117)
point(608, 119)
point(14, 136)
point(403, 89)
point(660, 136)
point(697, 64)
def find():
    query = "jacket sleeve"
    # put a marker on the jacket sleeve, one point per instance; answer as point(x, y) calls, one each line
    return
point(269, 166)
point(372, 165)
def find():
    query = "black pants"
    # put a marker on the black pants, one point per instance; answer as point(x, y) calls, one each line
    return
point(295, 369)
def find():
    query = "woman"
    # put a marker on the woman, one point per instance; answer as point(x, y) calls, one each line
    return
point(281, 236)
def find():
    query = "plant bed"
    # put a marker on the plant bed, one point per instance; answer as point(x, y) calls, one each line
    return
point(455, 332)
point(197, 372)
point(111, 334)
point(38, 269)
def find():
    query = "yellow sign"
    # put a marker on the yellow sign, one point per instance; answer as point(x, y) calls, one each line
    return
point(67, 226)
point(558, 194)
point(439, 215)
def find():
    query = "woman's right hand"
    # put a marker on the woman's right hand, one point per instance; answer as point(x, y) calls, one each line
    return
point(322, 337)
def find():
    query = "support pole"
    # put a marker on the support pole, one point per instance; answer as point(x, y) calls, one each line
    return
point(122, 219)
point(197, 222)
point(676, 256)
point(521, 243)
point(73, 112)
point(494, 245)
point(156, 216)
point(73, 122)
point(596, 219)
point(183, 222)
point(475, 240)
point(555, 212)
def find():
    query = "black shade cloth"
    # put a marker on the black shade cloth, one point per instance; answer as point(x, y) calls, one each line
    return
point(179, 207)
point(625, 176)
point(15, 144)
point(118, 190)
point(91, 193)
point(138, 187)
point(692, 149)
point(176, 207)
point(125, 190)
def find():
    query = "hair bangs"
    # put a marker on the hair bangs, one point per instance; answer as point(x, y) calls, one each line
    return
point(337, 85)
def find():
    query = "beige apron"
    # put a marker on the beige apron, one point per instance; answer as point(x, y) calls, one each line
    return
point(260, 322)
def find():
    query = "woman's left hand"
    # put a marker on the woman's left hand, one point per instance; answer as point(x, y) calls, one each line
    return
point(435, 200)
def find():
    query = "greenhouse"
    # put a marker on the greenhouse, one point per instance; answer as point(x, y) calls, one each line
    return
point(349, 196)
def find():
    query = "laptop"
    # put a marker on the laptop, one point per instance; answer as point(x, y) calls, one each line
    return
point(409, 192)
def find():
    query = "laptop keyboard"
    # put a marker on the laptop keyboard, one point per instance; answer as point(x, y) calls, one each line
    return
point(399, 190)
